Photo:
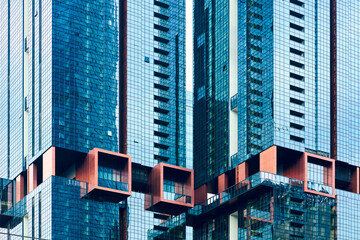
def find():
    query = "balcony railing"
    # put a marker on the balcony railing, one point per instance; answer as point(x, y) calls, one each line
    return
point(113, 184)
point(260, 178)
point(177, 197)
point(318, 187)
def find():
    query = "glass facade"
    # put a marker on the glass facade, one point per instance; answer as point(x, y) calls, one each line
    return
point(287, 73)
point(81, 75)
point(347, 74)
point(211, 89)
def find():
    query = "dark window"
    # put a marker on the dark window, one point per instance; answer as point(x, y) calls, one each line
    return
point(161, 87)
point(297, 15)
point(297, 2)
point(297, 52)
point(161, 99)
point(161, 28)
point(297, 77)
point(297, 101)
point(160, 122)
point(161, 134)
point(257, 125)
point(160, 39)
point(161, 75)
point(297, 139)
point(297, 126)
point(161, 158)
point(297, 64)
point(297, 27)
point(297, 89)
point(161, 146)
point(163, 52)
point(160, 110)
point(161, 63)
point(297, 114)
point(161, 4)
point(296, 39)
point(161, 16)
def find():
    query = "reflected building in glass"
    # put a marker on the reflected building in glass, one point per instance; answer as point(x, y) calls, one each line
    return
point(93, 120)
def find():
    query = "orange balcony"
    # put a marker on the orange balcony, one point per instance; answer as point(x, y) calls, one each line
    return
point(171, 189)
point(108, 175)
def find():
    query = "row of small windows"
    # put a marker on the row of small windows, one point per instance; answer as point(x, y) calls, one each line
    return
point(257, 60)
point(163, 112)
point(300, 65)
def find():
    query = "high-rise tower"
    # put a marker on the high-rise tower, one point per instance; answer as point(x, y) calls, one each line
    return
point(276, 128)
point(92, 118)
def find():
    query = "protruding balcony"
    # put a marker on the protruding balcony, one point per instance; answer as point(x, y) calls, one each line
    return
point(171, 189)
point(6, 193)
point(108, 174)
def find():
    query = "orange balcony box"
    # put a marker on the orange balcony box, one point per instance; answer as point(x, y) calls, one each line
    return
point(108, 175)
point(171, 189)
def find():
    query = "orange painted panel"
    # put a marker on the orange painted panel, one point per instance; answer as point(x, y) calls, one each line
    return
point(241, 172)
point(49, 163)
point(20, 187)
point(268, 160)
point(222, 182)
point(32, 177)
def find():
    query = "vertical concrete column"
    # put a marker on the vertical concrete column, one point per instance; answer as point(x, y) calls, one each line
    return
point(241, 172)
point(200, 194)
point(32, 177)
point(354, 185)
point(49, 163)
point(20, 187)
point(268, 160)
point(222, 182)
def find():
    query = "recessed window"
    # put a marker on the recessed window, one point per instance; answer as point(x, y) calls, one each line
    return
point(162, 40)
point(160, 122)
point(296, 39)
point(297, 114)
point(297, 126)
point(297, 2)
point(161, 4)
point(161, 87)
point(297, 139)
point(161, 134)
point(297, 52)
point(297, 89)
point(161, 63)
point(147, 59)
point(297, 76)
point(161, 75)
point(161, 110)
point(297, 27)
point(163, 52)
point(161, 146)
point(297, 15)
point(297, 64)
point(161, 16)
point(161, 99)
point(161, 28)
point(297, 101)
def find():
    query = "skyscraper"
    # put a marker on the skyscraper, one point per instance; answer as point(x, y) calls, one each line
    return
point(93, 136)
point(275, 137)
